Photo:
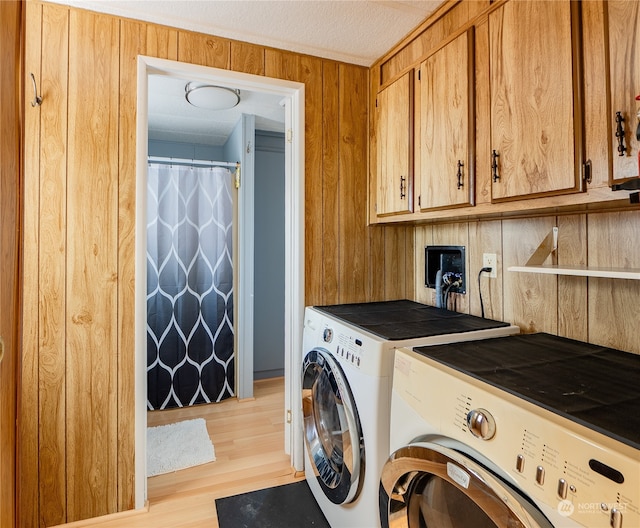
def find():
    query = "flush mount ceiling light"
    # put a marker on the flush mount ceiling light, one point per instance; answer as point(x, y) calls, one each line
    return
point(211, 97)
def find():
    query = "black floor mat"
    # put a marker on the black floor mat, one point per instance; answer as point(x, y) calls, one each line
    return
point(288, 506)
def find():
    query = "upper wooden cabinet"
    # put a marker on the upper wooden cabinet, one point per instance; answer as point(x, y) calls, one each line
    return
point(623, 26)
point(394, 135)
point(446, 133)
point(536, 129)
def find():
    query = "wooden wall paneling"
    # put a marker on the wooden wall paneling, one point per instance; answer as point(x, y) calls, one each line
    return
point(92, 264)
point(530, 299)
point(413, 51)
point(206, 50)
point(447, 20)
point(328, 203)
point(614, 304)
point(352, 211)
point(10, 211)
point(376, 256)
point(423, 236)
point(410, 270)
point(483, 113)
point(308, 70)
point(475, 9)
point(572, 291)
point(485, 237)
point(133, 42)
point(394, 259)
point(597, 122)
point(52, 269)
point(161, 42)
point(455, 235)
point(28, 453)
point(247, 58)
point(136, 38)
point(457, 17)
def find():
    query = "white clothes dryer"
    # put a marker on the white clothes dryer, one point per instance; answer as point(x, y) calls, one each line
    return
point(347, 371)
point(530, 431)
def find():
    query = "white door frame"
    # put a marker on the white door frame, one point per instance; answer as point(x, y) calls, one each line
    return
point(293, 95)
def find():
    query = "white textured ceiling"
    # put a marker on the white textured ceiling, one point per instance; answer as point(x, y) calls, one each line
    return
point(171, 118)
point(353, 31)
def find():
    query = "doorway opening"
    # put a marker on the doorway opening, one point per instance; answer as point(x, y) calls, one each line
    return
point(292, 96)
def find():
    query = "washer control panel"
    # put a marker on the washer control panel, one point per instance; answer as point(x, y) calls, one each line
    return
point(352, 349)
point(349, 349)
point(581, 473)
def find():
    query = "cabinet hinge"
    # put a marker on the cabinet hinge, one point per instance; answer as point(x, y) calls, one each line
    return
point(289, 416)
point(419, 75)
point(289, 135)
point(419, 198)
point(586, 171)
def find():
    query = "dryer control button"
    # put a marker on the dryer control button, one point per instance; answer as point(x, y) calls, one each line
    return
point(481, 424)
point(540, 475)
point(520, 463)
point(616, 518)
point(562, 488)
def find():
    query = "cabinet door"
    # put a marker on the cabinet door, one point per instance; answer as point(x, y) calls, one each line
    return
point(447, 131)
point(536, 136)
point(395, 147)
point(623, 23)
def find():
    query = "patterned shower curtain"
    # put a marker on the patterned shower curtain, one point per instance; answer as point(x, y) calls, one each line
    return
point(190, 356)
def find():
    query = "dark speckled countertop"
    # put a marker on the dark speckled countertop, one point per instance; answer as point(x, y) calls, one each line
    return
point(403, 319)
point(595, 386)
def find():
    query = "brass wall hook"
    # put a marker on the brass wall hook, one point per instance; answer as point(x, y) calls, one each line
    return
point(37, 100)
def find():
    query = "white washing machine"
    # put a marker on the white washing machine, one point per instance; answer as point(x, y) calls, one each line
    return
point(346, 389)
point(531, 431)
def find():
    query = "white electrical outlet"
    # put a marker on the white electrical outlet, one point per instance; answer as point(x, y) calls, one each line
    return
point(489, 260)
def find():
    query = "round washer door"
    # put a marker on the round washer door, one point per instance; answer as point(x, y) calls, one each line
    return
point(429, 485)
point(332, 431)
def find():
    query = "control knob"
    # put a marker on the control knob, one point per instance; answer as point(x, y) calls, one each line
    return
point(481, 424)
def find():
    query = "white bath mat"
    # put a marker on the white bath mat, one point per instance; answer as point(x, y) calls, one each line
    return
point(178, 446)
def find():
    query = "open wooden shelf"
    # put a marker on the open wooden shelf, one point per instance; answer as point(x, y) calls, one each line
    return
point(580, 271)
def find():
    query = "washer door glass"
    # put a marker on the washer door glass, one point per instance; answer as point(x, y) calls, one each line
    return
point(332, 431)
point(426, 485)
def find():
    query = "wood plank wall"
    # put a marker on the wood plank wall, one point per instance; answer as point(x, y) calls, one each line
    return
point(77, 399)
point(596, 310)
point(10, 186)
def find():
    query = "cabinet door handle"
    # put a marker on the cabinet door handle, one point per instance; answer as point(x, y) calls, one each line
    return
point(459, 175)
point(494, 165)
point(620, 134)
point(403, 186)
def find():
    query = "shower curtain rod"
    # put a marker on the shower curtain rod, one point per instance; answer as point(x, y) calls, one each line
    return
point(185, 161)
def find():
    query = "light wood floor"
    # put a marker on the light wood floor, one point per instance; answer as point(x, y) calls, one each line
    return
point(248, 439)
